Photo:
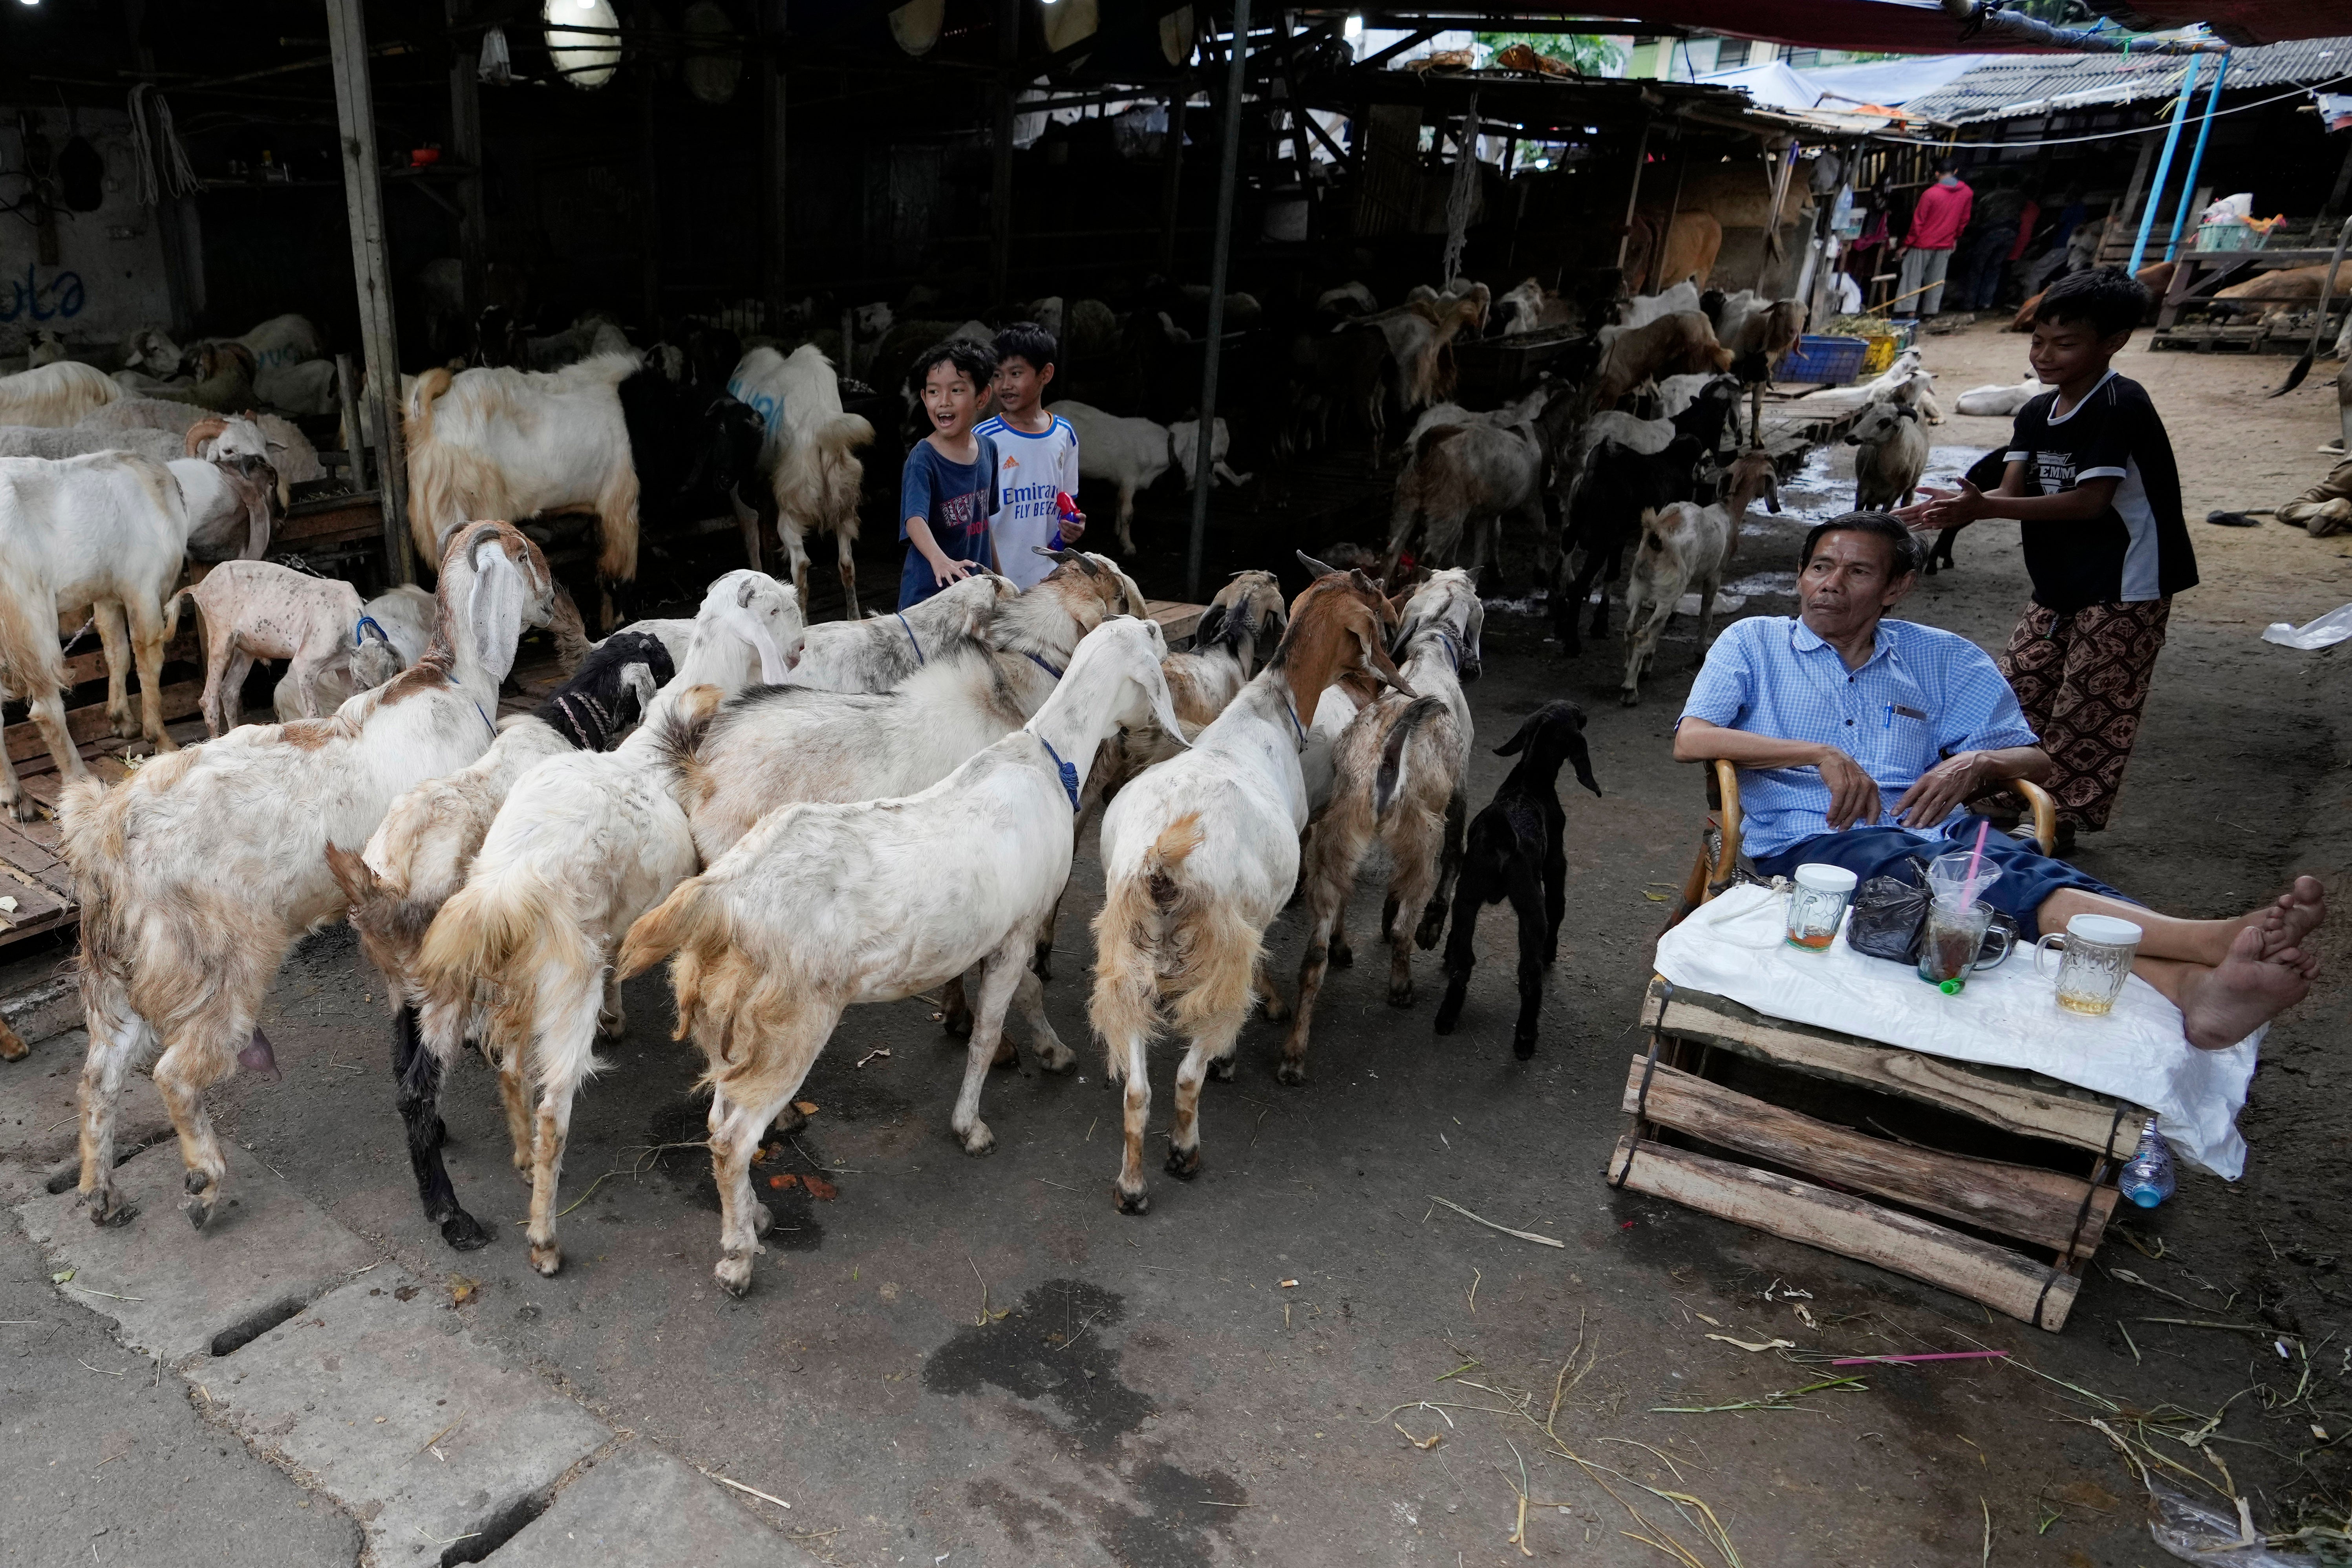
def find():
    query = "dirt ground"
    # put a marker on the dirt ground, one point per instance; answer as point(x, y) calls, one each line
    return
point(960, 1361)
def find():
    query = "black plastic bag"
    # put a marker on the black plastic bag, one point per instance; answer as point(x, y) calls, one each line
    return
point(1889, 914)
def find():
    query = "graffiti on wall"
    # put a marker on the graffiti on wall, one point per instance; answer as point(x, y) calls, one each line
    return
point(28, 299)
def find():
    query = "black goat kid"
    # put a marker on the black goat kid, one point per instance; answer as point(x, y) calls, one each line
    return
point(1513, 851)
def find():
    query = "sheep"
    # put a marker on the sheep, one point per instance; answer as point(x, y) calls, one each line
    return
point(513, 443)
point(55, 441)
point(1465, 480)
point(1400, 767)
point(279, 340)
point(1890, 454)
point(255, 609)
point(1680, 343)
point(197, 873)
point(151, 351)
point(2000, 402)
point(1200, 854)
point(140, 413)
point(876, 655)
point(771, 747)
point(1618, 484)
point(813, 473)
point(1675, 556)
point(52, 394)
point(824, 907)
point(393, 629)
point(109, 530)
point(582, 845)
point(1513, 850)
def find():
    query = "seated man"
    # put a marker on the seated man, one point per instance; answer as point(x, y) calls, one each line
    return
point(1835, 714)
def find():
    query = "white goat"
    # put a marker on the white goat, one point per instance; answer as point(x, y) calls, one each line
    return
point(584, 844)
point(877, 653)
point(1640, 310)
point(517, 444)
point(810, 458)
point(198, 872)
point(1200, 854)
point(393, 629)
point(1183, 439)
point(1128, 453)
point(58, 393)
point(1685, 547)
point(824, 907)
point(1890, 454)
point(255, 609)
point(1401, 768)
point(109, 531)
point(2000, 402)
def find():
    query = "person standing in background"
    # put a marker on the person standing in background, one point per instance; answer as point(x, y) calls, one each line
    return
point(1926, 250)
point(1991, 236)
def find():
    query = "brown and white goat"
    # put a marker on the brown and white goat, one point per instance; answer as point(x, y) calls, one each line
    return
point(257, 609)
point(1200, 853)
point(1401, 766)
point(1682, 343)
point(198, 874)
point(1684, 548)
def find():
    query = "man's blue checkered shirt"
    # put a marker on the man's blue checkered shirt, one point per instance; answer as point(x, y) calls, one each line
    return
point(1924, 695)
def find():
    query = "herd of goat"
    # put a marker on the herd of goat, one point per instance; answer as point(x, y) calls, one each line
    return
point(804, 817)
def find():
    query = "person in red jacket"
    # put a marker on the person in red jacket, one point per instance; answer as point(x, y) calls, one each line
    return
point(1936, 226)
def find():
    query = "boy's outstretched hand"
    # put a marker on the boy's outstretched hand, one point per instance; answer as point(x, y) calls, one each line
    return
point(1944, 509)
point(946, 572)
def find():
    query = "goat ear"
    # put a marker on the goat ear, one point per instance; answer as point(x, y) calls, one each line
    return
point(1315, 568)
point(1378, 666)
point(1518, 741)
point(494, 610)
point(1211, 629)
point(1772, 493)
point(1580, 757)
point(1163, 706)
point(743, 593)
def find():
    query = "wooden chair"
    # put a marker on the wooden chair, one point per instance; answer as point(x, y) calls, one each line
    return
point(1718, 866)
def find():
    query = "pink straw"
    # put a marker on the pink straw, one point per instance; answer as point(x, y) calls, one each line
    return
point(1969, 892)
point(1940, 1356)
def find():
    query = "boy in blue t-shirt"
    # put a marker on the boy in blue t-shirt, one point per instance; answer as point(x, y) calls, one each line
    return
point(948, 490)
point(1037, 457)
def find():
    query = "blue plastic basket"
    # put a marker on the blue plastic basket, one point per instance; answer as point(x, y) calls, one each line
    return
point(1822, 362)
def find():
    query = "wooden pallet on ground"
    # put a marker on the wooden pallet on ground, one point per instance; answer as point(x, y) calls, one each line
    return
point(2011, 1234)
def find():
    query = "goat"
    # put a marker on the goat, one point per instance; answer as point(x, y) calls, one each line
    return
point(813, 473)
point(1462, 480)
point(1421, 340)
point(1756, 330)
point(1200, 854)
point(1680, 343)
point(582, 845)
point(1128, 453)
point(1344, 371)
point(877, 654)
point(52, 394)
point(394, 628)
point(1685, 547)
point(1183, 440)
point(2000, 402)
point(151, 351)
point(513, 443)
point(781, 935)
point(1532, 307)
point(255, 609)
point(1605, 516)
point(110, 530)
point(693, 451)
point(224, 380)
point(1514, 851)
point(1890, 454)
point(1401, 767)
point(1640, 310)
point(308, 387)
point(197, 873)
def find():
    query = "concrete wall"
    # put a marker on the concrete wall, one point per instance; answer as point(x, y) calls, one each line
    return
point(109, 279)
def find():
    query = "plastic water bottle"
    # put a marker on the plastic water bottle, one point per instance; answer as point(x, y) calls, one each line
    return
point(2148, 1178)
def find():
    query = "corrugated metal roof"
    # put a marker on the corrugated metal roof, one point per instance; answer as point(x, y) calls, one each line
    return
point(2021, 85)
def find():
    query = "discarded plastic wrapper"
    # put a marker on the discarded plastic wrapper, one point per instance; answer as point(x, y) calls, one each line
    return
point(2197, 1532)
point(2325, 632)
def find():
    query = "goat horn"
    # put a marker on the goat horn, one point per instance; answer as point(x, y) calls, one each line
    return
point(1315, 568)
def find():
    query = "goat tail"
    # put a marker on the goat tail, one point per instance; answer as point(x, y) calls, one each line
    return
point(172, 611)
point(496, 928)
point(89, 837)
point(691, 920)
point(418, 424)
point(678, 736)
point(1166, 857)
point(1389, 780)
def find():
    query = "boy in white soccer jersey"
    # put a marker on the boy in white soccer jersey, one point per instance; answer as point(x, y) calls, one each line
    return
point(1036, 457)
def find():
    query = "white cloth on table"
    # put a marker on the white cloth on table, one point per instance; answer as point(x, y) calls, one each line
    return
point(1736, 947)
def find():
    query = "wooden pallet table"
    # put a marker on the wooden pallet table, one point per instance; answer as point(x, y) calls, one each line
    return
point(2011, 1234)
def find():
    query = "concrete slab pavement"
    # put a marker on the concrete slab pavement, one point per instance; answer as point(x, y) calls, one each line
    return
point(176, 1292)
point(639, 1508)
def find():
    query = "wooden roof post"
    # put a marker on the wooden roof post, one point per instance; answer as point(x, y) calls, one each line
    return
point(466, 141)
point(1632, 199)
point(1228, 147)
point(371, 270)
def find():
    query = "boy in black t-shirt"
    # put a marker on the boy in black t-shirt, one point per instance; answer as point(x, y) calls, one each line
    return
point(2090, 477)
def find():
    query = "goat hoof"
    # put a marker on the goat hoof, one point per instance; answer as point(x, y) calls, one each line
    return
point(1341, 956)
point(1056, 1057)
point(958, 1024)
point(463, 1233)
point(979, 1140)
point(1523, 1045)
point(791, 1118)
point(199, 1210)
point(1433, 928)
point(1221, 1069)
point(1291, 1073)
point(734, 1274)
point(1006, 1056)
point(1185, 1163)
point(23, 809)
point(1274, 1008)
point(107, 1208)
point(763, 1219)
point(1130, 1203)
point(546, 1260)
point(440, 1133)
point(1401, 995)
point(611, 1027)
point(124, 724)
point(1629, 699)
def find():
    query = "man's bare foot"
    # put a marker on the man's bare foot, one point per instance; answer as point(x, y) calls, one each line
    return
point(2223, 1005)
point(2298, 913)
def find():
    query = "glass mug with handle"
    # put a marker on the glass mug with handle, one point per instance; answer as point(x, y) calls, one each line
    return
point(2096, 960)
point(1955, 944)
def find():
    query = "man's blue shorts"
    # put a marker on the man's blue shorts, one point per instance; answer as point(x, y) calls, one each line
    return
point(2026, 875)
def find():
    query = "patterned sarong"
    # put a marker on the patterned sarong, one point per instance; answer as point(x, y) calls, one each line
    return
point(2083, 678)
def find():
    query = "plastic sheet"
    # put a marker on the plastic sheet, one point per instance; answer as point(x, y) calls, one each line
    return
point(2325, 632)
point(2196, 1530)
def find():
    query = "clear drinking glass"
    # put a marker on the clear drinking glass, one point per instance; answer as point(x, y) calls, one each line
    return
point(1816, 904)
point(2097, 958)
point(1952, 945)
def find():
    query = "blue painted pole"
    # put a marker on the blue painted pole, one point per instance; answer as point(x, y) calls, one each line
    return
point(2164, 163)
point(2196, 157)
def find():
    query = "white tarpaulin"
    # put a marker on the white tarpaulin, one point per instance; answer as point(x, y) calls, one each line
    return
point(1889, 84)
point(2010, 1017)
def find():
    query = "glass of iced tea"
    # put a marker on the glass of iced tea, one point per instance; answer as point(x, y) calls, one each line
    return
point(2095, 962)
point(1953, 942)
point(1816, 904)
